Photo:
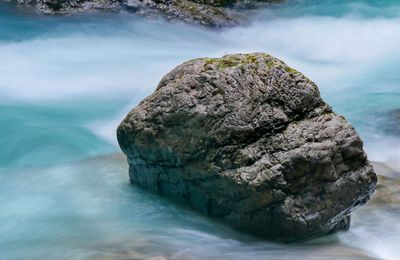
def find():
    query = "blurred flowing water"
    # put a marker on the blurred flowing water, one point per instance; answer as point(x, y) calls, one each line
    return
point(66, 82)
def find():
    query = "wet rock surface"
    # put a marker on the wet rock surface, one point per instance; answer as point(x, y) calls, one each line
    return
point(249, 141)
point(211, 13)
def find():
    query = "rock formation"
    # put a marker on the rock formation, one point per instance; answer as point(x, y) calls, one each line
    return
point(212, 13)
point(249, 141)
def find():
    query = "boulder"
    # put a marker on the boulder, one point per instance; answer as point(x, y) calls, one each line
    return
point(210, 13)
point(247, 140)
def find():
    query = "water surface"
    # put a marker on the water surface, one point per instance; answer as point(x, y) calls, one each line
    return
point(66, 83)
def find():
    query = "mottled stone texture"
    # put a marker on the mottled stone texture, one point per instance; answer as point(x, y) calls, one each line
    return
point(210, 13)
point(248, 140)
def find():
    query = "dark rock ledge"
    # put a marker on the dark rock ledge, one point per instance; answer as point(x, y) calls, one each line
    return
point(249, 141)
point(211, 13)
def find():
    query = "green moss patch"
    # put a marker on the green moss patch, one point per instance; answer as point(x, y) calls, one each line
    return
point(291, 70)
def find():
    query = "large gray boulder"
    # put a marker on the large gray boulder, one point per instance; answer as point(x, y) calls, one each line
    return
point(248, 140)
point(210, 13)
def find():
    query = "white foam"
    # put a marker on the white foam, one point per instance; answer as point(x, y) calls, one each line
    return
point(385, 149)
point(67, 68)
point(375, 231)
point(331, 51)
point(322, 47)
point(106, 128)
point(82, 64)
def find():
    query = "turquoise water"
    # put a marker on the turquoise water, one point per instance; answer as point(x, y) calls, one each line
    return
point(66, 83)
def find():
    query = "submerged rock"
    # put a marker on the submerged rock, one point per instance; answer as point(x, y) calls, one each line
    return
point(212, 13)
point(391, 122)
point(248, 140)
point(387, 193)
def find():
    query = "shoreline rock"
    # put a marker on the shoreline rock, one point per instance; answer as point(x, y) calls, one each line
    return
point(210, 13)
point(249, 141)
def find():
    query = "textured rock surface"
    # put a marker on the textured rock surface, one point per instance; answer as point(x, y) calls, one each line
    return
point(68, 6)
point(213, 13)
point(248, 140)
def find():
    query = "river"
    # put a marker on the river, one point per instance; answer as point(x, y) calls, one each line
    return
point(66, 82)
